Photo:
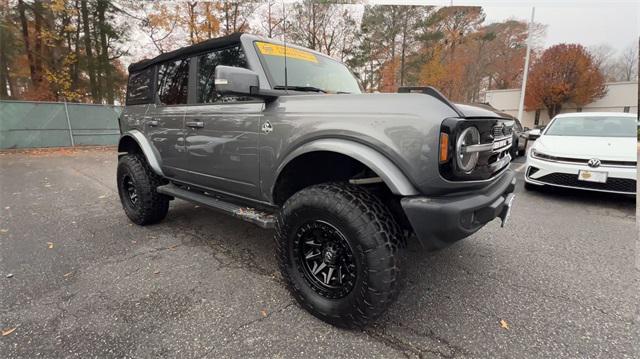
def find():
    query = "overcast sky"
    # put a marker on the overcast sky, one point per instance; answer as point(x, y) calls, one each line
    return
point(586, 22)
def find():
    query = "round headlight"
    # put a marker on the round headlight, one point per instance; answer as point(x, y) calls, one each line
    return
point(467, 161)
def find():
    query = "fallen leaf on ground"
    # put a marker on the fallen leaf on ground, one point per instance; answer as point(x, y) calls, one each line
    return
point(263, 312)
point(68, 274)
point(504, 324)
point(47, 185)
point(4, 230)
point(8, 331)
point(103, 196)
point(10, 275)
point(7, 207)
point(49, 245)
point(156, 272)
point(173, 247)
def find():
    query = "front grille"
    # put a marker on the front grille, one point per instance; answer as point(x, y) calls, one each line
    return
point(618, 163)
point(613, 184)
point(501, 131)
point(583, 161)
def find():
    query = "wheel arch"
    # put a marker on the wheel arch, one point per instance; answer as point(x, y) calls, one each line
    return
point(371, 159)
point(135, 142)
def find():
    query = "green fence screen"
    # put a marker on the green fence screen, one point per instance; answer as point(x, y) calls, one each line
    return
point(56, 124)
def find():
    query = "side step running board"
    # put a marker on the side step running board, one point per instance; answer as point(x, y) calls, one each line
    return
point(260, 218)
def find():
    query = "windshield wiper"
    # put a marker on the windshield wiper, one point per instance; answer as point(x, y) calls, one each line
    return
point(300, 88)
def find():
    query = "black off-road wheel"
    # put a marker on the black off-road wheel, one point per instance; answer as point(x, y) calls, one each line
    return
point(337, 248)
point(523, 151)
point(137, 185)
point(514, 151)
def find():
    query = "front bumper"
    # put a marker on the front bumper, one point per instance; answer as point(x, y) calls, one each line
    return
point(563, 174)
point(441, 221)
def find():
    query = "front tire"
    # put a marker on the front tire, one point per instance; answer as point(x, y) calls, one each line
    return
point(337, 250)
point(514, 150)
point(137, 185)
point(522, 152)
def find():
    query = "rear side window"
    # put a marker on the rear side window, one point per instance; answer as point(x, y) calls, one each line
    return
point(173, 82)
point(139, 89)
point(231, 56)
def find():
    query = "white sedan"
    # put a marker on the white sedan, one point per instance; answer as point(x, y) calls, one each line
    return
point(591, 151)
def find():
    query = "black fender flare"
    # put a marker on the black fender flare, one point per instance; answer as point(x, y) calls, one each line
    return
point(150, 153)
point(390, 174)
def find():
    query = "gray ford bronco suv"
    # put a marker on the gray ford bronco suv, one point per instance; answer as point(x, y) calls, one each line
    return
point(283, 137)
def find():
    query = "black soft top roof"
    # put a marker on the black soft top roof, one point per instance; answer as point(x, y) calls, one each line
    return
point(186, 51)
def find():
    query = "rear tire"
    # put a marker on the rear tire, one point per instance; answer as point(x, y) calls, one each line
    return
point(137, 185)
point(337, 248)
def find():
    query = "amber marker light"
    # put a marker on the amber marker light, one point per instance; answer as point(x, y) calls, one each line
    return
point(444, 147)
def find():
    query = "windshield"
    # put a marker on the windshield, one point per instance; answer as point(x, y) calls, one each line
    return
point(593, 126)
point(306, 70)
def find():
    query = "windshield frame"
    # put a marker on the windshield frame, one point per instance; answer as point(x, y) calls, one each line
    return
point(545, 132)
point(271, 80)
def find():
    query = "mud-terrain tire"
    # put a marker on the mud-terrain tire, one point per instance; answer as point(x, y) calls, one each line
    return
point(137, 185)
point(514, 151)
point(331, 214)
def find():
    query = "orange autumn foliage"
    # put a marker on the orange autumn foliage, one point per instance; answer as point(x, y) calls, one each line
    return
point(565, 73)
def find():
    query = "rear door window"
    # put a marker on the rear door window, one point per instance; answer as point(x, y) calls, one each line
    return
point(140, 87)
point(173, 82)
point(206, 91)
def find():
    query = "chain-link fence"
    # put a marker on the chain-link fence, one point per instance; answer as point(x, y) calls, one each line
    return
point(26, 124)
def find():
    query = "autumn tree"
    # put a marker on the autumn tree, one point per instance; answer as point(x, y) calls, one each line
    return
point(272, 14)
point(235, 15)
point(323, 26)
point(61, 50)
point(627, 64)
point(565, 73)
point(387, 41)
point(8, 52)
point(451, 30)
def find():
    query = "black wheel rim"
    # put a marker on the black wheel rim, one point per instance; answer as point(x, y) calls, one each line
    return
point(326, 259)
point(130, 190)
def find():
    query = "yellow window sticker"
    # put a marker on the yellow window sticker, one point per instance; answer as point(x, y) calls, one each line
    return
point(267, 48)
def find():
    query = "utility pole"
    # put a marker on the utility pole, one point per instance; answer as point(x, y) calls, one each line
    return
point(526, 65)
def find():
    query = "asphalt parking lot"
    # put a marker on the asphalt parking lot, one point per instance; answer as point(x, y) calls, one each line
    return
point(559, 281)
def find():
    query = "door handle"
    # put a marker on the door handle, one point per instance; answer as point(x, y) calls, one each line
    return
point(195, 124)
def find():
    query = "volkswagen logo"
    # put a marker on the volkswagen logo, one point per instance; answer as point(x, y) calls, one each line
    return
point(594, 162)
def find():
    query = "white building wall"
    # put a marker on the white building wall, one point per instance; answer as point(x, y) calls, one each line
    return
point(619, 95)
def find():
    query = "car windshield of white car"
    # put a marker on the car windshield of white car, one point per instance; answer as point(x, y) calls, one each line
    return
point(593, 126)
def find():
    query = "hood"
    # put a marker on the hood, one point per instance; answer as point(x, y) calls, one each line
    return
point(603, 148)
point(481, 111)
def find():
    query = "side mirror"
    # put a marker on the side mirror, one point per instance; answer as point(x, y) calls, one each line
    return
point(236, 80)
